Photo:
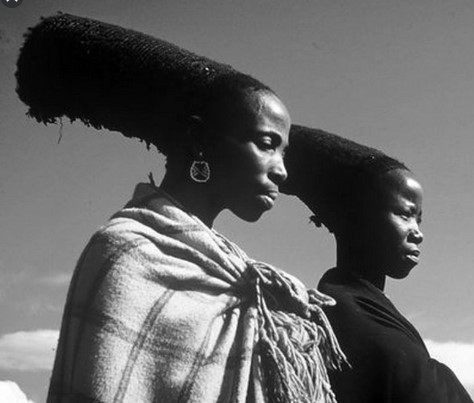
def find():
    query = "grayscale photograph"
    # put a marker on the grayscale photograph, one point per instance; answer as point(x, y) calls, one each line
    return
point(249, 201)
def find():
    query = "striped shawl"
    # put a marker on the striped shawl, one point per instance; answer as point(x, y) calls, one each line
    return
point(163, 309)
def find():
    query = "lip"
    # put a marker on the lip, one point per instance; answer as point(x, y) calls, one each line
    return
point(414, 256)
point(272, 194)
point(414, 252)
point(268, 199)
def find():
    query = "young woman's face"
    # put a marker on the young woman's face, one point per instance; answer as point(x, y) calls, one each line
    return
point(394, 227)
point(246, 159)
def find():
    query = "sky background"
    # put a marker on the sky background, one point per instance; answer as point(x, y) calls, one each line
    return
point(397, 75)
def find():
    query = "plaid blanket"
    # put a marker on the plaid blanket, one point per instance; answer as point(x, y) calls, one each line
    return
point(163, 309)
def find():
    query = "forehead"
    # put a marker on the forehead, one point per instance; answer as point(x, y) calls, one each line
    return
point(400, 184)
point(270, 111)
point(257, 111)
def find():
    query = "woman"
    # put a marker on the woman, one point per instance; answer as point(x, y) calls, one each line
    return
point(161, 307)
point(373, 206)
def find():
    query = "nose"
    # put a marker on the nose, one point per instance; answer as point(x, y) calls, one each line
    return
point(278, 173)
point(416, 235)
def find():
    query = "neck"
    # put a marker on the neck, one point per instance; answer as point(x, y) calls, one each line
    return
point(194, 197)
point(350, 259)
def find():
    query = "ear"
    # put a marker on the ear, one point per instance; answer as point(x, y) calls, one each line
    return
point(196, 137)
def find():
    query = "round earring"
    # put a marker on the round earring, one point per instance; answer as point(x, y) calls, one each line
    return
point(200, 170)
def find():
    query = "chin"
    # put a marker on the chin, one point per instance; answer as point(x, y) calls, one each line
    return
point(249, 215)
point(401, 272)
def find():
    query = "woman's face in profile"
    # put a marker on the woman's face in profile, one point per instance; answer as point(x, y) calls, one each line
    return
point(394, 227)
point(246, 158)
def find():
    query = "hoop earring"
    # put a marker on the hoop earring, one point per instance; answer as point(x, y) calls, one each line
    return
point(200, 170)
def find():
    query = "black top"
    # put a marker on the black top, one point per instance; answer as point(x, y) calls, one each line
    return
point(390, 362)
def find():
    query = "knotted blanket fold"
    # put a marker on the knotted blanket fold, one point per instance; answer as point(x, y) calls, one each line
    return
point(163, 309)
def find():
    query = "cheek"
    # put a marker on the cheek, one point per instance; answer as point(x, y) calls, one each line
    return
point(245, 162)
point(385, 233)
point(395, 232)
point(238, 167)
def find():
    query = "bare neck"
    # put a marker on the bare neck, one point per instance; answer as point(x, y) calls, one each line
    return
point(350, 258)
point(195, 198)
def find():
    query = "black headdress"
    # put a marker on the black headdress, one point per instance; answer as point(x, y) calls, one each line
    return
point(116, 78)
point(325, 170)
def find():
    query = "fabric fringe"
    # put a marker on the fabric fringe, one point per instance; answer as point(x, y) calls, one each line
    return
point(296, 345)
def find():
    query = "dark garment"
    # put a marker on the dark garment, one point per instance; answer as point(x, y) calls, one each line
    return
point(390, 362)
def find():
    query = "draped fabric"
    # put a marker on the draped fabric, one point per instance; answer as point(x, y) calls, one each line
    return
point(163, 309)
point(389, 360)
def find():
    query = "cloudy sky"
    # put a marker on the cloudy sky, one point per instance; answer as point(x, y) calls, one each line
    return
point(397, 75)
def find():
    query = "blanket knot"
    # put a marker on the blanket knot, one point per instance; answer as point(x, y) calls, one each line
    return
point(292, 330)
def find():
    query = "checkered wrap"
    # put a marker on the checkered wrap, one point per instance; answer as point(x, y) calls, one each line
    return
point(163, 309)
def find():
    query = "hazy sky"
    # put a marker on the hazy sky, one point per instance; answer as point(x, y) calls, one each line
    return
point(397, 75)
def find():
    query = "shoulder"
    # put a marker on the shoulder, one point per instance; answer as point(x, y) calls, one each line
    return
point(121, 236)
point(117, 231)
point(364, 318)
point(345, 293)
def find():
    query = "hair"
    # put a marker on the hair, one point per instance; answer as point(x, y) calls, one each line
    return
point(226, 94)
point(119, 79)
point(332, 175)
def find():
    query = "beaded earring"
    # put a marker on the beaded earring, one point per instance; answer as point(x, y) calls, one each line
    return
point(200, 171)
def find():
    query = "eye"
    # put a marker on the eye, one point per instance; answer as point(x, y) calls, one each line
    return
point(404, 214)
point(266, 143)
